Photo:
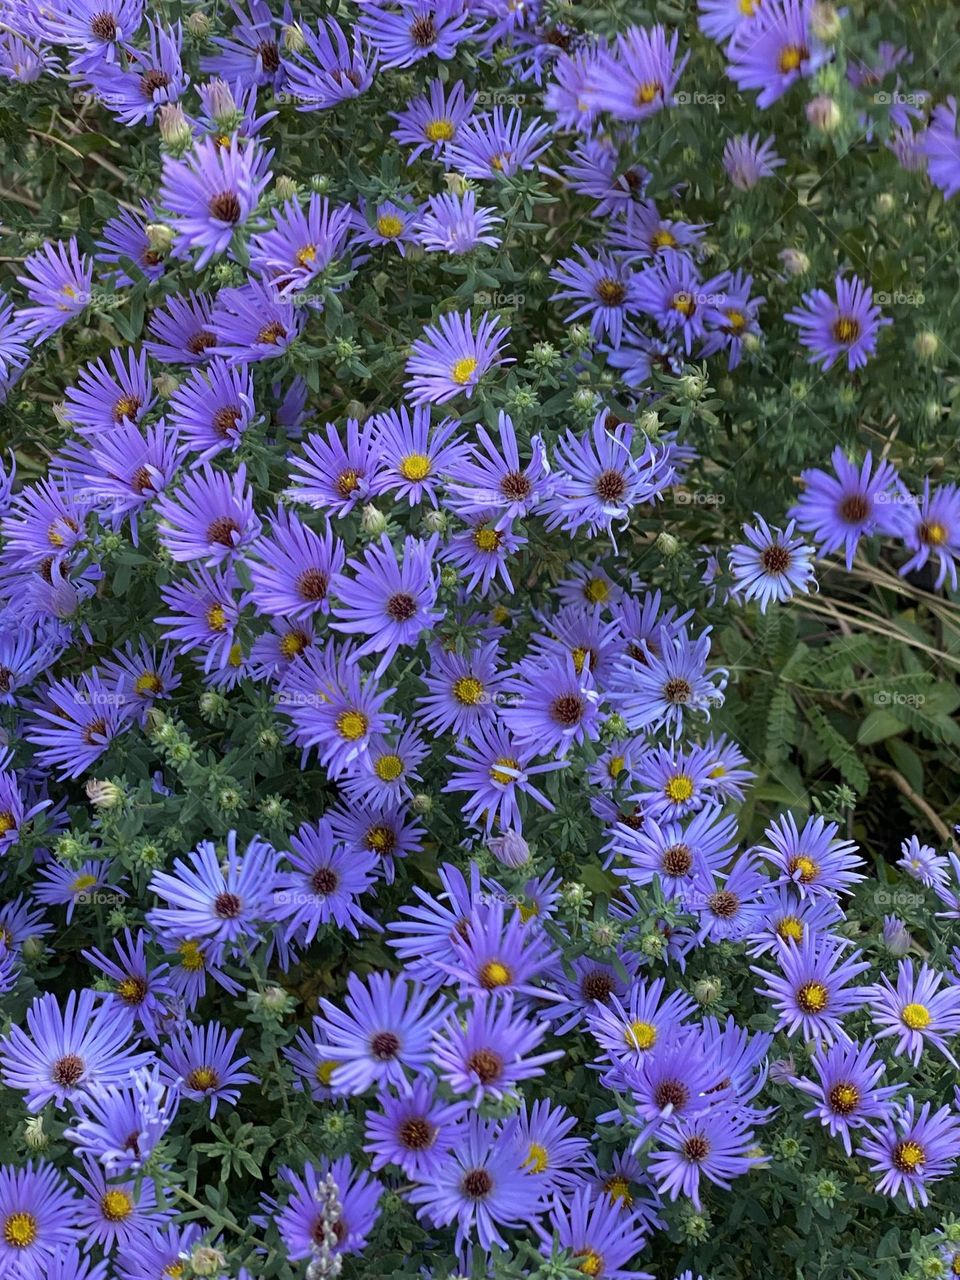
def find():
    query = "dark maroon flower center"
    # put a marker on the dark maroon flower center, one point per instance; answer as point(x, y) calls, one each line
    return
point(671, 1093)
point(227, 906)
point(567, 710)
point(487, 1065)
point(612, 293)
point(476, 1184)
point(312, 584)
point(677, 690)
point(222, 530)
point(68, 1069)
point(6, 679)
point(325, 880)
point(401, 607)
point(142, 481)
point(515, 486)
point(225, 419)
point(696, 1148)
point(855, 508)
point(775, 559)
point(269, 56)
point(95, 730)
point(423, 32)
point(104, 26)
point(416, 1134)
point(153, 80)
point(225, 206)
point(385, 1045)
point(201, 341)
point(724, 904)
point(597, 985)
point(611, 486)
point(677, 860)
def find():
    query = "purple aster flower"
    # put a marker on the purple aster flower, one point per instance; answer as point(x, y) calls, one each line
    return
point(389, 600)
point(420, 28)
point(78, 721)
point(72, 886)
point(627, 1030)
point(120, 1125)
point(487, 1054)
point(812, 860)
point(383, 1032)
point(912, 1149)
point(139, 992)
point(931, 529)
point(812, 991)
point(413, 1130)
point(385, 772)
point(184, 331)
point(429, 927)
point(732, 317)
point(324, 886)
point(846, 326)
point(206, 614)
point(331, 68)
point(492, 145)
point(57, 279)
point(550, 706)
point(556, 1160)
point(774, 50)
point(481, 552)
point(121, 471)
point(142, 675)
point(125, 236)
point(97, 29)
point(601, 1237)
point(916, 1010)
point(573, 72)
point(301, 245)
point(895, 937)
point(922, 862)
point(500, 953)
point(715, 1145)
point(70, 1264)
point(453, 224)
point(746, 159)
point(603, 287)
point(941, 146)
point(413, 454)
point(250, 54)
point(674, 294)
point(495, 479)
point(22, 656)
point(678, 1079)
point(839, 510)
point(462, 689)
point(637, 78)
point(207, 899)
point(15, 814)
point(210, 518)
point(590, 982)
point(667, 688)
point(212, 408)
point(595, 171)
point(66, 1053)
point(429, 122)
point(674, 782)
point(38, 1214)
point(229, 111)
point(145, 81)
point(787, 918)
point(200, 1061)
point(450, 358)
point(387, 222)
point(643, 233)
point(252, 323)
point(773, 565)
point(14, 353)
point(157, 1254)
point(732, 907)
point(300, 1221)
point(847, 1090)
point(193, 960)
point(480, 1184)
point(211, 192)
point(292, 566)
point(332, 475)
point(719, 19)
point(114, 1213)
point(102, 400)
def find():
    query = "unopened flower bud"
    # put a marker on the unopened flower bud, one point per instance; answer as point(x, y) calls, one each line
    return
point(579, 335)
point(649, 424)
point(32, 948)
point(456, 183)
point(574, 893)
point(667, 544)
point(199, 24)
point(166, 385)
point(293, 41)
point(653, 945)
point(584, 399)
point(435, 521)
point(34, 1135)
point(422, 803)
point(794, 261)
point(160, 237)
point(510, 849)
point(823, 113)
point(544, 354)
point(372, 520)
point(926, 344)
point(896, 938)
point(175, 131)
point(707, 991)
point(691, 387)
point(103, 795)
point(825, 22)
point(206, 1261)
point(285, 188)
point(448, 576)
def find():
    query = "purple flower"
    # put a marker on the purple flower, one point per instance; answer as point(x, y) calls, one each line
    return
point(846, 1090)
point(147, 80)
point(200, 1062)
point(419, 29)
point(330, 69)
point(429, 122)
point(413, 454)
point(773, 565)
point(250, 55)
point(57, 279)
point(206, 614)
point(453, 224)
point(125, 236)
point(746, 159)
point(254, 323)
point(550, 706)
point(413, 1130)
point(102, 400)
point(931, 529)
point(482, 551)
point(912, 1149)
point(115, 1213)
point(78, 721)
point(462, 688)
point(673, 293)
point(719, 19)
point(922, 862)
point(39, 1216)
point(812, 991)
point(492, 145)
point(941, 146)
point(385, 771)
point(495, 479)
point(846, 326)
point(594, 1228)
point(674, 783)
point(500, 953)
point(639, 76)
point(300, 1221)
point(333, 476)
point(487, 1054)
point(70, 886)
point(210, 518)
point(211, 193)
point(602, 286)
point(301, 245)
point(292, 566)
point(121, 1124)
point(841, 509)
point(628, 1029)
point(184, 329)
point(139, 992)
point(450, 359)
point(212, 408)
point(774, 50)
point(665, 690)
point(715, 1145)
point(916, 1011)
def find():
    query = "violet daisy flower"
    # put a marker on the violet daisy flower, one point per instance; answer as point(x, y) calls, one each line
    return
point(429, 122)
point(332, 475)
point(122, 470)
point(157, 1254)
point(250, 54)
point(70, 1264)
point(413, 454)
point(74, 886)
point(449, 358)
point(225, 902)
point(846, 326)
point(715, 1145)
point(453, 224)
point(549, 705)
point(387, 222)
point(916, 1011)
point(787, 918)
point(675, 295)
point(638, 76)
point(412, 1130)
point(385, 771)
point(301, 244)
point(500, 953)
point(719, 19)
point(138, 991)
point(495, 479)
point(383, 1032)
point(480, 1184)
point(14, 354)
point(209, 518)
point(183, 328)
point(292, 566)
point(486, 1055)
point(38, 1215)
point(57, 279)
point(573, 72)
point(419, 29)
point(148, 79)
point(252, 323)
point(733, 905)
point(847, 1090)
point(922, 862)
point(206, 611)
point(601, 1238)
point(941, 146)
point(300, 1221)
point(120, 1125)
point(643, 233)
point(841, 509)
point(773, 565)
point(812, 991)
point(199, 1060)
point(212, 408)
point(125, 236)
point(78, 721)
point(102, 400)
point(96, 29)
point(774, 50)
point(746, 159)
point(427, 929)
point(912, 1149)
point(462, 689)
point(15, 814)
point(482, 551)
point(669, 687)
point(627, 1029)
point(211, 192)
point(390, 600)
point(931, 529)
point(331, 68)
point(115, 1213)
point(554, 1159)
point(602, 286)
point(732, 317)
point(674, 782)
point(66, 1053)
point(492, 145)
point(812, 860)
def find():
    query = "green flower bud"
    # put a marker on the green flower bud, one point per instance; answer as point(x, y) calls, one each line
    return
point(207, 1261)
point(160, 237)
point(34, 1135)
point(372, 521)
point(579, 335)
point(667, 544)
point(544, 355)
point(926, 345)
point(199, 25)
point(104, 795)
point(707, 990)
point(435, 521)
point(448, 576)
point(422, 803)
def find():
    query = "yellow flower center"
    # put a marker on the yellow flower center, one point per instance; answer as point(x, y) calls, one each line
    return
point(235, 656)
point(748, 8)
point(736, 321)
point(579, 658)
point(415, 466)
point(293, 643)
point(663, 239)
point(679, 788)
point(619, 1189)
point(217, 618)
point(439, 130)
point(845, 1097)
point(351, 725)
point(538, 1159)
point(82, 883)
point(933, 534)
point(116, 1206)
point(20, 1230)
point(592, 1264)
point(790, 929)
point(647, 91)
point(191, 956)
point(202, 1078)
point(684, 302)
point(347, 482)
point(908, 1156)
point(846, 329)
point(388, 768)
point(500, 614)
point(132, 990)
point(528, 912)
point(174, 1270)
point(494, 974)
point(7, 822)
point(791, 56)
point(389, 226)
point(463, 370)
point(640, 1035)
point(615, 766)
point(485, 539)
point(812, 997)
point(502, 763)
point(718, 771)
point(596, 591)
point(915, 1016)
point(808, 869)
point(467, 690)
point(125, 407)
point(306, 256)
point(325, 1070)
point(148, 682)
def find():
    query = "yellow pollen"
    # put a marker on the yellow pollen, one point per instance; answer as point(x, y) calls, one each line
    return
point(293, 643)
point(347, 482)
point(20, 1230)
point(441, 130)
point(640, 1035)
point(806, 866)
point(463, 370)
point(619, 1189)
point(202, 1078)
point(909, 1156)
point(116, 1206)
point(592, 1264)
point(846, 329)
point(615, 766)
point(324, 1071)
point(790, 57)
point(388, 768)
point(389, 226)
point(935, 534)
point(415, 466)
point(718, 771)
point(683, 302)
point(736, 321)
point(217, 618)
point(494, 974)
point(485, 539)
point(528, 912)
point(148, 682)
point(467, 690)
point(306, 256)
point(663, 239)
point(813, 997)
point(748, 8)
point(500, 765)
point(646, 93)
point(235, 656)
point(596, 591)
point(55, 537)
point(7, 822)
point(131, 990)
point(579, 658)
point(82, 883)
point(174, 1270)
point(679, 788)
point(538, 1158)
point(500, 614)
point(915, 1016)
point(846, 1095)
point(191, 957)
point(351, 725)
point(790, 929)
point(125, 407)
